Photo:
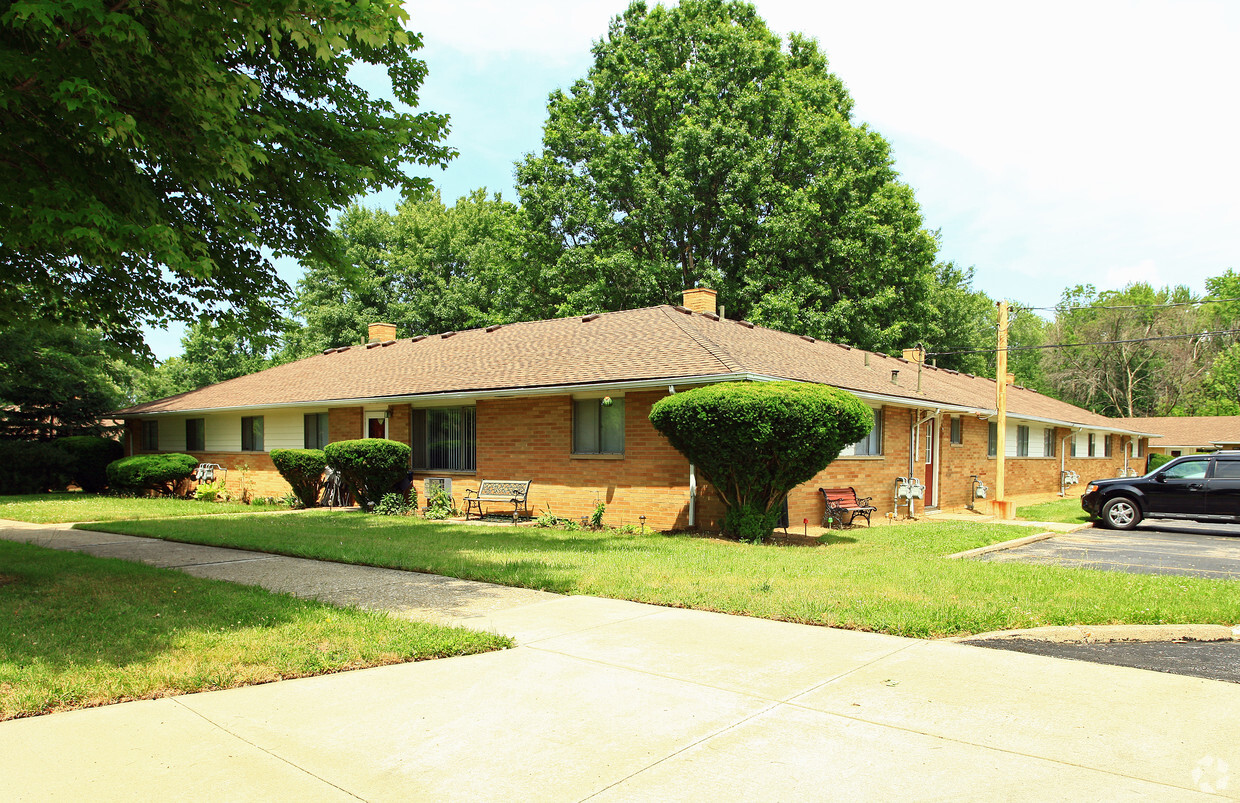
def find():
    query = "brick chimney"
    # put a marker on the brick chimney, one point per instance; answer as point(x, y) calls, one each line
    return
point(382, 332)
point(700, 299)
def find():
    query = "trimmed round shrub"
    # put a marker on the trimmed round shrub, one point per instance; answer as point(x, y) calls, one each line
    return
point(33, 467)
point(369, 467)
point(303, 470)
point(89, 456)
point(756, 441)
point(151, 472)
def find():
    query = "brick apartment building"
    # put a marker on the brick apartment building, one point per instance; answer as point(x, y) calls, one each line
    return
point(566, 403)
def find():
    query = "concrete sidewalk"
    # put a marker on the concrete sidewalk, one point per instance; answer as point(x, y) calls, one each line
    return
point(615, 700)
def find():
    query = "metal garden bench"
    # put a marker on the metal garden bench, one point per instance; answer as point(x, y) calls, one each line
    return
point(841, 501)
point(511, 492)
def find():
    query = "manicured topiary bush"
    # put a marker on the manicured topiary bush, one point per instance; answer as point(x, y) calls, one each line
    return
point(755, 441)
point(89, 456)
point(369, 467)
point(303, 469)
point(33, 467)
point(150, 472)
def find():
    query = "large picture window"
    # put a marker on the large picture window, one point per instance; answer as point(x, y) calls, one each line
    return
point(195, 435)
point(252, 433)
point(315, 427)
point(871, 445)
point(445, 439)
point(598, 427)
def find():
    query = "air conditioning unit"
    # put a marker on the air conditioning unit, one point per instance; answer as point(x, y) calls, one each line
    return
point(434, 484)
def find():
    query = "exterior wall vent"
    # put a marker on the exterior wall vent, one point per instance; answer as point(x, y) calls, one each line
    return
point(433, 484)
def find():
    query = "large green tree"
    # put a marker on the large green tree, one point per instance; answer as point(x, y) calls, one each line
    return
point(155, 153)
point(57, 381)
point(427, 268)
point(702, 150)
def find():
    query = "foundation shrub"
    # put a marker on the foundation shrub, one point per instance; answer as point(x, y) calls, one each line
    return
point(755, 441)
point(32, 467)
point(369, 467)
point(89, 456)
point(303, 470)
point(150, 472)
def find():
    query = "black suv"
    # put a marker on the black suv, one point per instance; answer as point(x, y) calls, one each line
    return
point(1203, 487)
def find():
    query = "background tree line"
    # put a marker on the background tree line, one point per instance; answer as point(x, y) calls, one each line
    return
point(700, 148)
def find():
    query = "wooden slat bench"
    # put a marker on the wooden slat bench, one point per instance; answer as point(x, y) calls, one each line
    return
point(842, 501)
point(511, 492)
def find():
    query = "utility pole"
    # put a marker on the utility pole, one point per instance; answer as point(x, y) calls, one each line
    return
point(1001, 506)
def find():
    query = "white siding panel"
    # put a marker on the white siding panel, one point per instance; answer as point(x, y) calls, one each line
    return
point(223, 432)
point(283, 429)
point(171, 434)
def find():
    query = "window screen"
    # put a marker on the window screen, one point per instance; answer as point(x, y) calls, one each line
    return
point(252, 433)
point(598, 428)
point(1022, 441)
point(316, 430)
point(957, 429)
point(195, 435)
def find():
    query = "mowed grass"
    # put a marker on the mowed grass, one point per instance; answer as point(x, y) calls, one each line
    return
point(1066, 510)
point(887, 579)
point(81, 631)
point(57, 508)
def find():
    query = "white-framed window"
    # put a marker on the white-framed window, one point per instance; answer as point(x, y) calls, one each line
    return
point(871, 445)
point(598, 426)
point(1022, 440)
point(1090, 441)
point(315, 430)
point(150, 436)
point(957, 432)
point(252, 433)
point(445, 439)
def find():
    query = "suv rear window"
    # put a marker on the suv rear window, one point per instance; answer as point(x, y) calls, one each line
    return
point(1227, 469)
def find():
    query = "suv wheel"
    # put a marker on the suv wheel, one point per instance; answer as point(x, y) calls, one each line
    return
point(1121, 513)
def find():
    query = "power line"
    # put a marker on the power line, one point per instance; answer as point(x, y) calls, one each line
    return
point(1063, 308)
point(1075, 345)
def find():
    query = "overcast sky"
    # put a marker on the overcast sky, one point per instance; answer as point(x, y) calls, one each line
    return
point(1050, 144)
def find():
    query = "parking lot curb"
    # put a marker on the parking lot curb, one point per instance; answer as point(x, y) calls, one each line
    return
point(1015, 542)
point(1108, 634)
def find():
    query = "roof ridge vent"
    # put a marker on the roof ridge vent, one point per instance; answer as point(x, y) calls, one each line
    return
point(329, 351)
point(712, 316)
point(447, 335)
point(417, 338)
point(387, 343)
point(746, 324)
point(845, 347)
point(685, 310)
point(493, 327)
point(588, 318)
point(372, 344)
point(343, 348)
point(808, 339)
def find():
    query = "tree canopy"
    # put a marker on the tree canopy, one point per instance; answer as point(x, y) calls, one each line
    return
point(700, 150)
point(427, 268)
point(154, 153)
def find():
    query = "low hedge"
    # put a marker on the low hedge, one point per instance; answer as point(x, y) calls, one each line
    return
point(33, 467)
point(369, 467)
point(153, 472)
point(89, 456)
point(302, 469)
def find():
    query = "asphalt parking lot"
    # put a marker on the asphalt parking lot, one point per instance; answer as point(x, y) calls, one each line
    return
point(1215, 660)
point(1180, 548)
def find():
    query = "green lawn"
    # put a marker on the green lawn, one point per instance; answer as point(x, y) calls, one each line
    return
point(81, 631)
point(1065, 510)
point(57, 508)
point(888, 579)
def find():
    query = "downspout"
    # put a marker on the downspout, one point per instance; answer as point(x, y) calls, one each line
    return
point(1063, 458)
point(671, 389)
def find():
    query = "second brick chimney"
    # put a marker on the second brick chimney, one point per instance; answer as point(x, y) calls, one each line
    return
point(382, 332)
point(700, 299)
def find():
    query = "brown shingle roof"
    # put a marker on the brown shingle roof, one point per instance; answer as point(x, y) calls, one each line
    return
point(1190, 430)
point(656, 343)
